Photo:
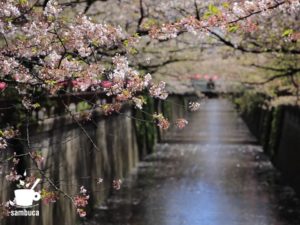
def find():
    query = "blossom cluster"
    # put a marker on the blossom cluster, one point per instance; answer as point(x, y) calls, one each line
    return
point(48, 196)
point(224, 17)
point(162, 122)
point(13, 174)
point(8, 10)
point(125, 82)
point(54, 54)
point(5, 209)
point(38, 158)
point(158, 90)
point(51, 9)
point(116, 184)
point(81, 201)
point(194, 106)
point(5, 135)
point(27, 182)
point(181, 123)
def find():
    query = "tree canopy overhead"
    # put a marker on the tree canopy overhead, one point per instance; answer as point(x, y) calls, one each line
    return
point(45, 44)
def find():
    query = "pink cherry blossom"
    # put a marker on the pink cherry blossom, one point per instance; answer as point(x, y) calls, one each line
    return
point(83, 190)
point(3, 86)
point(81, 212)
point(147, 79)
point(194, 106)
point(10, 132)
point(158, 90)
point(99, 180)
point(13, 176)
point(3, 143)
point(106, 84)
point(181, 123)
point(117, 184)
point(81, 200)
point(49, 196)
point(138, 102)
point(162, 122)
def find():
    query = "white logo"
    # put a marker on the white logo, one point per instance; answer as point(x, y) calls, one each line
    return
point(24, 197)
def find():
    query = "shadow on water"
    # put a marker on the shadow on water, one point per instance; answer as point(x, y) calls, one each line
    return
point(212, 175)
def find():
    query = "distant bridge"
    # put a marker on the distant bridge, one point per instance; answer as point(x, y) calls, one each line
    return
point(208, 87)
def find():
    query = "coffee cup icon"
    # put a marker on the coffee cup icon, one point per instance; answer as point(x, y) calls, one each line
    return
point(25, 197)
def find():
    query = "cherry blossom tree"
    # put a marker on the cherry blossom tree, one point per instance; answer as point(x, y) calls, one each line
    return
point(45, 53)
point(254, 27)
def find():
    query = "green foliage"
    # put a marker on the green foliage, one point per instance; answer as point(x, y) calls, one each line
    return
point(212, 11)
point(287, 32)
point(50, 82)
point(167, 109)
point(150, 23)
point(126, 43)
point(275, 131)
point(23, 2)
point(136, 35)
point(248, 101)
point(233, 28)
point(266, 128)
point(146, 129)
point(225, 5)
point(133, 51)
point(83, 106)
point(265, 124)
point(21, 37)
point(36, 105)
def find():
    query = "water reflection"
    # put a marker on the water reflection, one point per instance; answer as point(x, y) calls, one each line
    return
point(221, 179)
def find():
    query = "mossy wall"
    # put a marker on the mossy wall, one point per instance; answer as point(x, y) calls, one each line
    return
point(148, 134)
point(278, 131)
point(146, 130)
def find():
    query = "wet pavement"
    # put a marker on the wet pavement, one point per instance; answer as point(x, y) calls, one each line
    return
point(211, 173)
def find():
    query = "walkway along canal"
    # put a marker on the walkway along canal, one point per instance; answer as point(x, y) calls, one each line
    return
point(211, 173)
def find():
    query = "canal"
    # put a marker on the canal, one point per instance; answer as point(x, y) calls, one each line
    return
point(211, 173)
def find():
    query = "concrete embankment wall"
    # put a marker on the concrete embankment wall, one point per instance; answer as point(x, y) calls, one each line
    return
point(71, 159)
point(278, 130)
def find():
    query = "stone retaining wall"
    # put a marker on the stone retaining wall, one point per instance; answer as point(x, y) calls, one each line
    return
point(71, 161)
point(278, 130)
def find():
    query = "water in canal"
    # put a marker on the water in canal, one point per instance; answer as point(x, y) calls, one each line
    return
point(210, 173)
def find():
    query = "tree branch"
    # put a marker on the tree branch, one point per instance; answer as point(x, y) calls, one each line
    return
point(270, 79)
point(292, 70)
point(257, 51)
point(142, 16)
